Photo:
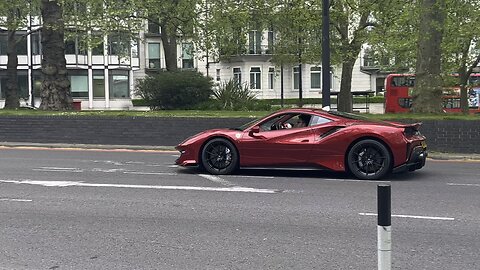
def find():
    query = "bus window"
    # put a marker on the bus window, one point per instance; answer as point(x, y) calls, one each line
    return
point(405, 102)
point(407, 81)
point(451, 103)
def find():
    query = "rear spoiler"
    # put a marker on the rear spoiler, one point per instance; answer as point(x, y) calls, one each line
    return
point(414, 126)
point(409, 129)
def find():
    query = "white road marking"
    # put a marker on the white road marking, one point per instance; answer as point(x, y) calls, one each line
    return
point(58, 169)
point(353, 180)
point(107, 170)
point(116, 163)
point(216, 179)
point(189, 188)
point(466, 185)
point(150, 173)
point(409, 216)
point(15, 200)
point(134, 162)
point(251, 176)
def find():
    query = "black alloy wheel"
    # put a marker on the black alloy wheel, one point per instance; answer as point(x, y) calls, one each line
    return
point(369, 160)
point(219, 156)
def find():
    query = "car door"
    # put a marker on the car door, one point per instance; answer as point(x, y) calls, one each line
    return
point(276, 147)
point(323, 150)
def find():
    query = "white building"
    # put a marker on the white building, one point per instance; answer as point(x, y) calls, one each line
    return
point(100, 79)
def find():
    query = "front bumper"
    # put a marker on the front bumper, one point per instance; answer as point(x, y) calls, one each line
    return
point(416, 160)
point(187, 156)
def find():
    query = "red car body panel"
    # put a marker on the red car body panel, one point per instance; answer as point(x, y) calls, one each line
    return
point(323, 145)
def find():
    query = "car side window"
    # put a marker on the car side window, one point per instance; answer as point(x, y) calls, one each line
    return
point(318, 120)
point(271, 124)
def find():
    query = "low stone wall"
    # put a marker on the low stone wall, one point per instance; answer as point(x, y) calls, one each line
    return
point(442, 136)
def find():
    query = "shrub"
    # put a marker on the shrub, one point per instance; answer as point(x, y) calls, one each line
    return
point(231, 95)
point(174, 90)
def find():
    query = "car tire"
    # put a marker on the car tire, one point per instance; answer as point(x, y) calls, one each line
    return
point(369, 160)
point(219, 156)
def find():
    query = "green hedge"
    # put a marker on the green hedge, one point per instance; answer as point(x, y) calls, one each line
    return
point(272, 102)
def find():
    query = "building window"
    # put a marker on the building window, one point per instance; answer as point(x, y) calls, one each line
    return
point(270, 41)
point(153, 28)
point(98, 49)
point(271, 77)
point(76, 43)
point(21, 46)
point(119, 85)
point(119, 44)
point(22, 84)
point(3, 43)
point(255, 42)
point(237, 75)
point(255, 78)
point(79, 85)
point(99, 84)
point(153, 55)
point(187, 55)
point(296, 78)
point(217, 77)
point(315, 77)
point(36, 43)
point(134, 49)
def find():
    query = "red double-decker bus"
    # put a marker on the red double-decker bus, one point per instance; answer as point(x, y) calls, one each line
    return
point(399, 87)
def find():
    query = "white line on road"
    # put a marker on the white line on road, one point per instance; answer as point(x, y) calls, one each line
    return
point(251, 176)
point(466, 185)
point(409, 216)
point(190, 188)
point(216, 179)
point(15, 200)
point(57, 169)
point(150, 173)
point(354, 180)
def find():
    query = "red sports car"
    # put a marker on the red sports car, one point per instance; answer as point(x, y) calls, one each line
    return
point(309, 138)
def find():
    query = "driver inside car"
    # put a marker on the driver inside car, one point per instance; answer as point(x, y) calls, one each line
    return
point(301, 121)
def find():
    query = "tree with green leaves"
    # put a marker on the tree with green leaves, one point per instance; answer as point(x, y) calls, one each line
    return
point(351, 20)
point(298, 40)
point(427, 93)
point(461, 43)
point(13, 17)
point(95, 19)
point(176, 20)
point(55, 91)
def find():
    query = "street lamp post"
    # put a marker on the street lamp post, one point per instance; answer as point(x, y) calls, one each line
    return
point(30, 67)
point(326, 55)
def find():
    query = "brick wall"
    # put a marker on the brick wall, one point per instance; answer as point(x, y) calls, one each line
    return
point(444, 136)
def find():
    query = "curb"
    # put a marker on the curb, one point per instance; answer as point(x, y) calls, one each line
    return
point(87, 146)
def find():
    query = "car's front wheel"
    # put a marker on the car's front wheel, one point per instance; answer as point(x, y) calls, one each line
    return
point(219, 156)
point(369, 159)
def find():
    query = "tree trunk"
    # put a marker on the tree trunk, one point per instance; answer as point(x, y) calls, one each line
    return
point(169, 41)
point(11, 93)
point(55, 91)
point(463, 77)
point(427, 94)
point(345, 95)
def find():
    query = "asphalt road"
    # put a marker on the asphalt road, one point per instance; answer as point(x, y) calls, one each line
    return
point(64, 209)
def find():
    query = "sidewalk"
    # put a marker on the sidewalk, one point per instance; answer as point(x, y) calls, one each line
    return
point(431, 155)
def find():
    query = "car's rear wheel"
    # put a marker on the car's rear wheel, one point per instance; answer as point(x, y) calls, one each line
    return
point(219, 156)
point(369, 159)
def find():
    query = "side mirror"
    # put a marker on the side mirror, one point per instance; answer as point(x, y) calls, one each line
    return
point(255, 129)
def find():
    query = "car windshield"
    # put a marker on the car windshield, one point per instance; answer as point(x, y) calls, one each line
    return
point(246, 125)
